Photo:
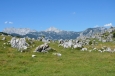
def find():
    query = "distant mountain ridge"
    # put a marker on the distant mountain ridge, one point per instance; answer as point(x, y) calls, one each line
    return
point(20, 31)
point(92, 31)
point(52, 33)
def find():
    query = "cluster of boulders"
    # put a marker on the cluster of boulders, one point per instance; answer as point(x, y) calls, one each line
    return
point(22, 45)
point(70, 44)
point(5, 43)
point(102, 49)
point(45, 40)
point(81, 45)
point(82, 41)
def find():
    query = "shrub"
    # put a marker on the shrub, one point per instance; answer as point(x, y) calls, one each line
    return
point(114, 35)
point(90, 42)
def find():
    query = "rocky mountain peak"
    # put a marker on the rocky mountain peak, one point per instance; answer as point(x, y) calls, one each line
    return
point(53, 29)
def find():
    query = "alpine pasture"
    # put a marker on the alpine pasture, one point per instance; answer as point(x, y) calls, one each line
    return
point(72, 62)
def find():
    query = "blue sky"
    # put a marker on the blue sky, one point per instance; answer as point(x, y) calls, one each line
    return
point(71, 15)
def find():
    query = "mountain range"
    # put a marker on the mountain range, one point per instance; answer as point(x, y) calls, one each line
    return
point(52, 33)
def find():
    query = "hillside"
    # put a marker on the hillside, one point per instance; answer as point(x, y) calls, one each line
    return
point(72, 62)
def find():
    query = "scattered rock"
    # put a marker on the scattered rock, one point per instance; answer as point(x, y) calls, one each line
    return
point(33, 56)
point(57, 54)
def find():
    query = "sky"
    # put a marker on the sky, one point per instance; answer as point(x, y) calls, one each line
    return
point(70, 15)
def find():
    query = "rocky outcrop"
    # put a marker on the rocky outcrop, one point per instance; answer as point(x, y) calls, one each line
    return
point(19, 43)
point(43, 48)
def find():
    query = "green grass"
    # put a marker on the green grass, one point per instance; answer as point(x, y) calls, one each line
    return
point(72, 62)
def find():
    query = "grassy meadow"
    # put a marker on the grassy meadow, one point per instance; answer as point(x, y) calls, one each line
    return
point(73, 62)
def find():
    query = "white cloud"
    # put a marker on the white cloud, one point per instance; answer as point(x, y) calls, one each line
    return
point(108, 25)
point(96, 26)
point(74, 13)
point(8, 22)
